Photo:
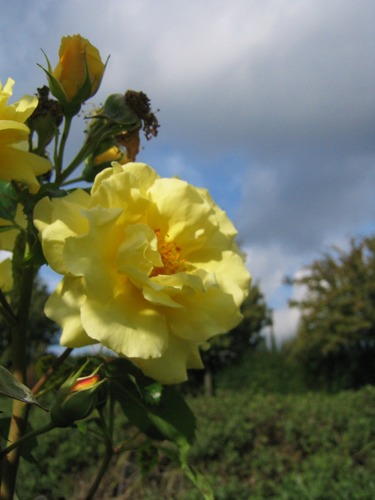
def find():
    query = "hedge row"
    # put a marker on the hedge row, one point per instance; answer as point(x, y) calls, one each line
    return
point(249, 445)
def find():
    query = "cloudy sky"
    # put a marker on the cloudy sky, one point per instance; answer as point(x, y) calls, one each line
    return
point(270, 104)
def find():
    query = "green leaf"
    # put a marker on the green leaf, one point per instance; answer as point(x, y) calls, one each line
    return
point(12, 388)
point(8, 200)
point(54, 85)
point(153, 393)
point(134, 407)
point(159, 411)
point(173, 416)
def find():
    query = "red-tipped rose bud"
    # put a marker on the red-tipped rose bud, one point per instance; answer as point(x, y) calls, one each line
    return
point(77, 398)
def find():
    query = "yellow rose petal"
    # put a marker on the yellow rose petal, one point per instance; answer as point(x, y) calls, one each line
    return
point(172, 367)
point(17, 164)
point(159, 270)
point(128, 325)
point(64, 306)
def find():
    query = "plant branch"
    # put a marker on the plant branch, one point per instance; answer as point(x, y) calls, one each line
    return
point(26, 437)
point(60, 155)
point(6, 310)
point(51, 370)
point(24, 279)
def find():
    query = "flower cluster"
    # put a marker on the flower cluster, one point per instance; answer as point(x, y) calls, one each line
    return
point(150, 265)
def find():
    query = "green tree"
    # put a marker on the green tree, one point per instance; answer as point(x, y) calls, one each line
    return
point(336, 336)
point(229, 348)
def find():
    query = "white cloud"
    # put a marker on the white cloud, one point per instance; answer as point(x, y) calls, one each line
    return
point(271, 265)
point(176, 166)
point(285, 322)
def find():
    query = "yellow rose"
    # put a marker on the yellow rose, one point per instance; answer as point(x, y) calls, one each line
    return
point(79, 61)
point(151, 268)
point(16, 163)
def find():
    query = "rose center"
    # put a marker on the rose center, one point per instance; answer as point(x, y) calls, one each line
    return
point(170, 255)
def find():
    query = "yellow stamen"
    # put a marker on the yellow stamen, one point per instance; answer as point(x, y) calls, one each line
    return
point(170, 256)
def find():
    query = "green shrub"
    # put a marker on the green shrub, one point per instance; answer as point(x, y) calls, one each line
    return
point(312, 446)
point(249, 445)
point(263, 371)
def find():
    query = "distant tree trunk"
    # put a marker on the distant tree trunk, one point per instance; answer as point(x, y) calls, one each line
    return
point(209, 383)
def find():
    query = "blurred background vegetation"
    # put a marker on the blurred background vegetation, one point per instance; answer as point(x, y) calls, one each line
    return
point(295, 421)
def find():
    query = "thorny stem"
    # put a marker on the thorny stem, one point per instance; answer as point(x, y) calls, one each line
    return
point(16, 437)
point(6, 310)
point(20, 410)
point(51, 370)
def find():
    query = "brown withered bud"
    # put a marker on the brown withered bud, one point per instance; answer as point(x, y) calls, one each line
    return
point(45, 120)
point(140, 104)
point(47, 106)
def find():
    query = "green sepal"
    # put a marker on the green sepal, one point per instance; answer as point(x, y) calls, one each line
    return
point(69, 108)
point(73, 404)
point(54, 85)
point(117, 110)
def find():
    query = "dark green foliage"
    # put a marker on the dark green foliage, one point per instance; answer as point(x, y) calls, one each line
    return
point(62, 460)
point(159, 411)
point(261, 371)
point(336, 337)
point(307, 446)
point(42, 332)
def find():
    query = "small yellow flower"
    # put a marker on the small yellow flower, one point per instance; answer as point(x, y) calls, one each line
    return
point(16, 163)
point(151, 268)
point(95, 164)
point(112, 154)
point(80, 69)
